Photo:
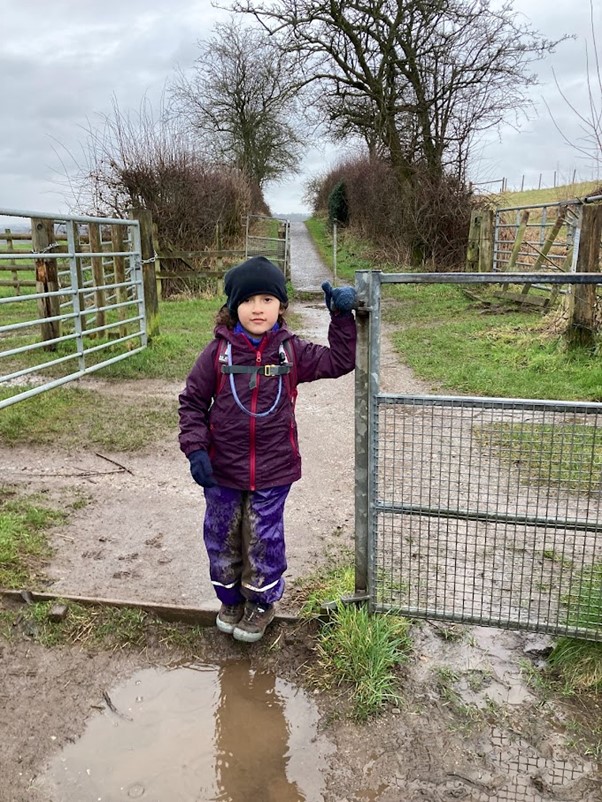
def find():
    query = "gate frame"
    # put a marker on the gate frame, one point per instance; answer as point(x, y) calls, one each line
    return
point(283, 262)
point(368, 285)
point(75, 291)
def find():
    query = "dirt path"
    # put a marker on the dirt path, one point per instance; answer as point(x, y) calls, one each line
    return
point(469, 727)
point(139, 535)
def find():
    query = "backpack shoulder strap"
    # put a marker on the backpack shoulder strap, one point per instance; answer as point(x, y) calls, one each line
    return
point(220, 359)
point(291, 376)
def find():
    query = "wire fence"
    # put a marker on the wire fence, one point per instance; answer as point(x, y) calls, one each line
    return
point(489, 511)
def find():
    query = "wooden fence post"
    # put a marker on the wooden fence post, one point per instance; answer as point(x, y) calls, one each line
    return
point(98, 272)
point(149, 269)
point(118, 245)
point(42, 239)
point(10, 247)
point(582, 319)
point(486, 243)
point(474, 239)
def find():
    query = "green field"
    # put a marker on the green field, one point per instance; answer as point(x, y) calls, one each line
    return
point(547, 195)
point(463, 345)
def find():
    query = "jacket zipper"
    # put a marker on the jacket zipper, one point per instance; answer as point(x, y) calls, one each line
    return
point(254, 396)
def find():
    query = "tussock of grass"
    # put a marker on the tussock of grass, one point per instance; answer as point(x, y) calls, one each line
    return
point(579, 664)
point(23, 542)
point(357, 652)
point(362, 651)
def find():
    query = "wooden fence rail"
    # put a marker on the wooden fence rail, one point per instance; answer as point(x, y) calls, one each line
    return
point(536, 241)
point(165, 270)
point(94, 272)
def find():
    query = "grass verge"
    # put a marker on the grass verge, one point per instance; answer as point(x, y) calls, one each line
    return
point(578, 665)
point(352, 254)
point(24, 547)
point(99, 627)
point(70, 417)
point(446, 339)
point(186, 327)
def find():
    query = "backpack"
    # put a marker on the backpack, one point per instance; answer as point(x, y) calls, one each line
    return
point(223, 367)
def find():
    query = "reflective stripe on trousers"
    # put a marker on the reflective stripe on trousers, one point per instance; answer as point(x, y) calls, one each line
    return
point(244, 537)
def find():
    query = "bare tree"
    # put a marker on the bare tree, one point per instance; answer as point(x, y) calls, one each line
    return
point(240, 100)
point(145, 159)
point(416, 79)
point(589, 144)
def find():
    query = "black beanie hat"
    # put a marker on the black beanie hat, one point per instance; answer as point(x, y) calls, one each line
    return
point(253, 277)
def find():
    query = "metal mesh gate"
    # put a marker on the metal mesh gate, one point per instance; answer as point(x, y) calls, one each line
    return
point(476, 510)
point(488, 510)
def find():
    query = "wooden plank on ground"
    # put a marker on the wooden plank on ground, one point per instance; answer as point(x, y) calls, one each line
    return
point(202, 616)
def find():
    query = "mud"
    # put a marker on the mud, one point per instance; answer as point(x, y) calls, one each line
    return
point(468, 726)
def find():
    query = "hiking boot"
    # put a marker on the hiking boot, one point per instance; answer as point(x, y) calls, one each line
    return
point(254, 622)
point(228, 617)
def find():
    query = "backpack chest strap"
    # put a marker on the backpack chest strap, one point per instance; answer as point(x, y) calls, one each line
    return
point(261, 370)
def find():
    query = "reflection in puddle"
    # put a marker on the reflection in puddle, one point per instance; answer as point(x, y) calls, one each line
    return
point(197, 734)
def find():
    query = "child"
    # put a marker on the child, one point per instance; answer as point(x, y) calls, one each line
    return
point(238, 430)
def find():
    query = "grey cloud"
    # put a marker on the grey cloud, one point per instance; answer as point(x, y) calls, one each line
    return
point(62, 63)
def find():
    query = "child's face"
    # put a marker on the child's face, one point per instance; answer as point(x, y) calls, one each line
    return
point(258, 313)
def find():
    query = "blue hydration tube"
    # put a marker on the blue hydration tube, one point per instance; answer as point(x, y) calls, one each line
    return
point(239, 403)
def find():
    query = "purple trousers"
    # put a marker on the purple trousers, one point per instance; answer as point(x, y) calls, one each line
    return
point(244, 538)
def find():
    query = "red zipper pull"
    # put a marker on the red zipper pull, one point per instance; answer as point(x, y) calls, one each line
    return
point(258, 358)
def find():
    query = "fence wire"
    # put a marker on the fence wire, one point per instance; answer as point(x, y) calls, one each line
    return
point(489, 511)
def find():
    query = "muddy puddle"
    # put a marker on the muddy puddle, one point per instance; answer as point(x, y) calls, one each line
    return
point(197, 732)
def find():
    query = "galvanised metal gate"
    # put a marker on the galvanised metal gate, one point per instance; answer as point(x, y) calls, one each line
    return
point(74, 302)
point(476, 510)
point(270, 237)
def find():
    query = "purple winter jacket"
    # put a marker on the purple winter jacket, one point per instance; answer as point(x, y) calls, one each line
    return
point(251, 453)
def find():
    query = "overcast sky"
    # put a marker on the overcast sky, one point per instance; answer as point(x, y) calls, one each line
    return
point(62, 62)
